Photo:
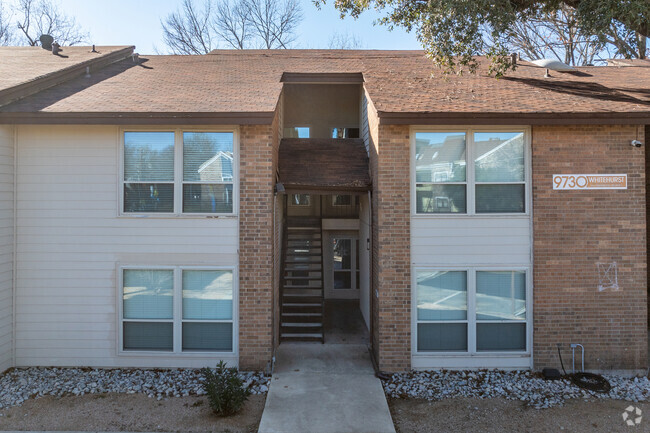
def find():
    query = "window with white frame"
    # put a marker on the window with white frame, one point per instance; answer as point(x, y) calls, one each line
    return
point(470, 172)
point(178, 172)
point(177, 310)
point(471, 311)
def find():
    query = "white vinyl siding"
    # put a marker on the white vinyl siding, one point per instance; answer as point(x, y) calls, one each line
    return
point(472, 242)
point(72, 240)
point(6, 245)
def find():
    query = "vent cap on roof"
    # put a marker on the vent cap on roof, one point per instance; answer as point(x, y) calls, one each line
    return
point(553, 65)
point(46, 42)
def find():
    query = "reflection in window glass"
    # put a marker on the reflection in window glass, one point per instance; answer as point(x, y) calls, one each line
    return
point(300, 199)
point(442, 295)
point(148, 156)
point(296, 132)
point(440, 157)
point(208, 156)
point(149, 197)
point(431, 198)
point(148, 164)
point(500, 295)
point(342, 200)
point(499, 156)
point(500, 198)
point(207, 295)
point(207, 198)
point(148, 294)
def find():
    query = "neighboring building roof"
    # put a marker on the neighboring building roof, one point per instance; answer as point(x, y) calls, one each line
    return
point(231, 86)
point(643, 63)
point(26, 70)
point(329, 164)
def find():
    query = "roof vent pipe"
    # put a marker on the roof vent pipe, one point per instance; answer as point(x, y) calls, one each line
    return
point(513, 58)
point(46, 41)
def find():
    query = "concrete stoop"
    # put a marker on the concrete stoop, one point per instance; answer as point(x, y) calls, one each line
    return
point(325, 388)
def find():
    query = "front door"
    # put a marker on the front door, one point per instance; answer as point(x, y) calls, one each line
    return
point(342, 266)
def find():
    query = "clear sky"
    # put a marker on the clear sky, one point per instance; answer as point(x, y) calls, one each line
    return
point(137, 22)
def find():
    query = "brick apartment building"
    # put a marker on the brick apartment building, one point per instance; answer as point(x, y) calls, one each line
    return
point(168, 211)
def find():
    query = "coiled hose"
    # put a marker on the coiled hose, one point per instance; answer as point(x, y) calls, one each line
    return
point(584, 380)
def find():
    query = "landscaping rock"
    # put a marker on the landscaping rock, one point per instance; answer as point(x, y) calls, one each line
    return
point(20, 384)
point(525, 386)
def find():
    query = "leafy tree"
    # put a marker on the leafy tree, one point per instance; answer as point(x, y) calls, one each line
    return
point(452, 31)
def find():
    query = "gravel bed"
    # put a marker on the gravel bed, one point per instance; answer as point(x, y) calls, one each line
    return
point(18, 385)
point(526, 386)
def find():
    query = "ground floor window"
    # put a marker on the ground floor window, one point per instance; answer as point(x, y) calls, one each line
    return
point(177, 309)
point(471, 310)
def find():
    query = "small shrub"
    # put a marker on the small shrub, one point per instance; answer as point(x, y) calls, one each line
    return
point(224, 388)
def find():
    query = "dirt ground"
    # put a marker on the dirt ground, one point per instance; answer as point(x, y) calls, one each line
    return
point(129, 412)
point(503, 416)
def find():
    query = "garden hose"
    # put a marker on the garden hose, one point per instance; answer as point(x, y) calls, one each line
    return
point(584, 380)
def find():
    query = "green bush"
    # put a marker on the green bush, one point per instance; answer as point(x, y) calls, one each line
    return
point(224, 389)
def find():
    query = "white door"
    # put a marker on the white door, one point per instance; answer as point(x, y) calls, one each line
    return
point(342, 265)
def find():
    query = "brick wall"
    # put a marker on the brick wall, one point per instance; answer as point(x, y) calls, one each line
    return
point(573, 230)
point(256, 245)
point(392, 248)
point(373, 142)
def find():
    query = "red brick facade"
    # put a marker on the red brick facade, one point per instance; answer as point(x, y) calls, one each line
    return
point(574, 230)
point(257, 146)
point(392, 233)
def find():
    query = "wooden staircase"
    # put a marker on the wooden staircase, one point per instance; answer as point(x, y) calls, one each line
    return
point(301, 283)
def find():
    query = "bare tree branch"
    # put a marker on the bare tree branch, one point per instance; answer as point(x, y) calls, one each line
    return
point(239, 23)
point(231, 24)
point(187, 31)
point(6, 33)
point(43, 17)
point(344, 41)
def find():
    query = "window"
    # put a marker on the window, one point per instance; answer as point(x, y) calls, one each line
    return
point(345, 132)
point(300, 200)
point(471, 311)
point(179, 172)
point(177, 310)
point(296, 132)
point(494, 182)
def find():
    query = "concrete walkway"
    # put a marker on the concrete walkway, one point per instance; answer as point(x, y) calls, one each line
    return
point(323, 388)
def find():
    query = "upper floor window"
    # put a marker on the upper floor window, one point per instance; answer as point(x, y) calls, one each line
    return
point(297, 132)
point(494, 181)
point(178, 172)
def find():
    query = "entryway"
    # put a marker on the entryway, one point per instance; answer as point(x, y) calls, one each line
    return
point(325, 269)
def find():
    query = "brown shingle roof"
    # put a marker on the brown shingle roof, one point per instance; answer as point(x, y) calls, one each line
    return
point(401, 84)
point(23, 69)
point(323, 164)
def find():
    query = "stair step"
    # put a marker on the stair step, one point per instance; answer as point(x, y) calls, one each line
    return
point(302, 337)
point(303, 304)
point(301, 325)
point(291, 328)
point(308, 235)
point(303, 278)
point(302, 287)
point(294, 268)
point(303, 254)
point(302, 314)
point(303, 261)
